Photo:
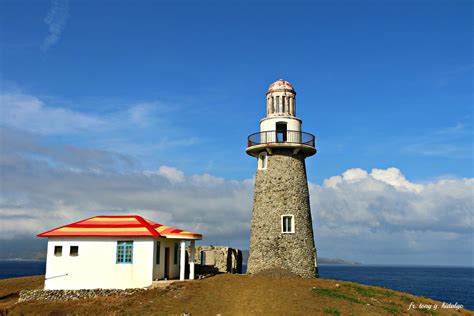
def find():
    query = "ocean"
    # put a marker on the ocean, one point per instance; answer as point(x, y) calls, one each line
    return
point(445, 284)
point(19, 268)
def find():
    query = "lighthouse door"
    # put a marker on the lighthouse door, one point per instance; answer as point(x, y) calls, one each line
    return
point(281, 132)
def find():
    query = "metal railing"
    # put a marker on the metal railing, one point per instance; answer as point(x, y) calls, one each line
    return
point(292, 137)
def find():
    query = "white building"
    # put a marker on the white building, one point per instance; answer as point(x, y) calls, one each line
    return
point(115, 252)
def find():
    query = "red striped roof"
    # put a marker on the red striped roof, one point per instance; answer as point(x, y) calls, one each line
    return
point(119, 226)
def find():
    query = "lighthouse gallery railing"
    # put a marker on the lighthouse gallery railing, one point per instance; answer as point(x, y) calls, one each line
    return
point(268, 137)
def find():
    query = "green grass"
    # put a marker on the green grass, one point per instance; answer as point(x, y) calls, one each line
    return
point(406, 299)
point(331, 311)
point(368, 291)
point(334, 293)
point(393, 309)
point(429, 312)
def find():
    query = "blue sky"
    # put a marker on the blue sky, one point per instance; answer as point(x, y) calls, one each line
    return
point(136, 86)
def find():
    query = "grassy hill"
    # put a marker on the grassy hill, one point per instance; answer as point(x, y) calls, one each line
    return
point(231, 295)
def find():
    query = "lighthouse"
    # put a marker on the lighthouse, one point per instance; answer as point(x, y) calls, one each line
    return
point(281, 233)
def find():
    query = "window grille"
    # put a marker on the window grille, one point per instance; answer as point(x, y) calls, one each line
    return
point(125, 251)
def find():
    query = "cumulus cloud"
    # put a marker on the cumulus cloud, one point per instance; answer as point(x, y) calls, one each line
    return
point(382, 212)
point(172, 174)
point(56, 19)
point(385, 200)
point(369, 216)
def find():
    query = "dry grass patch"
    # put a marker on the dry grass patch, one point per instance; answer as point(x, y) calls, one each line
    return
point(233, 295)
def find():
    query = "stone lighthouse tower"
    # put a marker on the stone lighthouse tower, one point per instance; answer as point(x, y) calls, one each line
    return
point(281, 234)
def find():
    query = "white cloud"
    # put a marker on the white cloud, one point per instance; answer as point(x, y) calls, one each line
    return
point(357, 215)
point(47, 189)
point(29, 113)
point(354, 175)
point(390, 176)
point(56, 21)
point(386, 199)
point(365, 215)
point(394, 177)
point(135, 129)
point(172, 174)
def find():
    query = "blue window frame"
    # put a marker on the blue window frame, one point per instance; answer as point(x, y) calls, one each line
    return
point(124, 251)
point(175, 253)
point(158, 252)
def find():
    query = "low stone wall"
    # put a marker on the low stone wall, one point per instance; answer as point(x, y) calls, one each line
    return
point(72, 295)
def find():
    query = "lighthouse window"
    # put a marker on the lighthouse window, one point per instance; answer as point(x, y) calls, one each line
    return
point(278, 104)
point(287, 224)
point(283, 104)
point(273, 105)
point(262, 161)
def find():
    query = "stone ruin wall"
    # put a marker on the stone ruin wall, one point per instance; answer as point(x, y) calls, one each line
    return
point(218, 259)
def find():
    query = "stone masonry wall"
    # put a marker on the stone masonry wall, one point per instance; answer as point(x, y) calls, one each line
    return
point(219, 259)
point(281, 189)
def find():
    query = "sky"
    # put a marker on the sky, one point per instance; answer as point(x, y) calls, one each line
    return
point(121, 107)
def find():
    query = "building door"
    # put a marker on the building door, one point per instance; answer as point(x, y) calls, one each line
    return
point(281, 132)
point(167, 263)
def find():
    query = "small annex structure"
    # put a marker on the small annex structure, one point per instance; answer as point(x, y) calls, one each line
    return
point(115, 252)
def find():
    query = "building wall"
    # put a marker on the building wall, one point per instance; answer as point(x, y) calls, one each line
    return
point(269, 123)
point(159, 269)
point(282, 189)
point(95, 266)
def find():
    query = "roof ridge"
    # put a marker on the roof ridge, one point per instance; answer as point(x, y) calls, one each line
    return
point(146, 227)
point(114, 216)
point(152, 231)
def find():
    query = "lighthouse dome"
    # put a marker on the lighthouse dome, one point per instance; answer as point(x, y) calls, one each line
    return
point(280, 85)
point(281, 99)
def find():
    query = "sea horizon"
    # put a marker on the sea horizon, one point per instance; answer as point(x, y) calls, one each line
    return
point(329, 264)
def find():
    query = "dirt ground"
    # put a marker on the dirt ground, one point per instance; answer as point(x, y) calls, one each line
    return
point(228, 294)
